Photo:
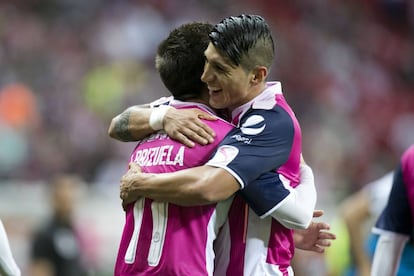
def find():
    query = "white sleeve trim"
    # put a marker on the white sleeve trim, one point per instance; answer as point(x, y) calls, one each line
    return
point(296, 210)
point(387, 254)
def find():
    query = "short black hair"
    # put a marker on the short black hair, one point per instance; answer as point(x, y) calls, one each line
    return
point(180, 60)
point(245, 40)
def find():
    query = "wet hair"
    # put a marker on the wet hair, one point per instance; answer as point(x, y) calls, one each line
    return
point(180, 60)
point(245, 40)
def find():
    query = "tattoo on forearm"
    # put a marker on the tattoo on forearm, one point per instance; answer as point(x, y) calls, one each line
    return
point(121, 127)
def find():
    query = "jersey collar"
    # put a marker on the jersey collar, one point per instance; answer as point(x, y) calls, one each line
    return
point(265, 100)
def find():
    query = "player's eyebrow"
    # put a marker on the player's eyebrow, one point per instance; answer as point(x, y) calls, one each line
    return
point(219, 61)
point(218, 64)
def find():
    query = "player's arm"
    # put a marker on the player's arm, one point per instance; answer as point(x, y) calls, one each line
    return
point(388, 254)
point(355, 210)
point(132, 124)
point(195, 186)
point(216, 182)
point(206, 184)
point(296, 210)
point(274, 141)
point(184, 125)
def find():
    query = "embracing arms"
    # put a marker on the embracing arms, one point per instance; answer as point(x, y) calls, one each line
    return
point(207, 184)
point(316, 237)
point(133, 124)
point(196, 186)
point(199, 186)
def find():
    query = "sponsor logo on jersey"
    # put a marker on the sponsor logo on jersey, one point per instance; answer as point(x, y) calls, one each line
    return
point(253, 125)
point(224, 155)
point(242, 139)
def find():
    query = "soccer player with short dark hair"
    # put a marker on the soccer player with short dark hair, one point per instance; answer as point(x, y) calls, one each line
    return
point(259, 159)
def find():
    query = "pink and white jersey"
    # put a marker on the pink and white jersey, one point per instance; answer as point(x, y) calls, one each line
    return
point(263, 154)
point(161, 238)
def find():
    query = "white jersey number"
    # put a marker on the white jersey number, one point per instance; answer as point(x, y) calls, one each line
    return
point(159, 212)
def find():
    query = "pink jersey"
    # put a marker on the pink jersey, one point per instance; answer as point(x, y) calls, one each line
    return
point(162, 238)
point(269, 136)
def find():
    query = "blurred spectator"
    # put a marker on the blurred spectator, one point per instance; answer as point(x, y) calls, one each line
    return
point(359, 212)
point(18, 107)
point(57, 246)
point(19, 115)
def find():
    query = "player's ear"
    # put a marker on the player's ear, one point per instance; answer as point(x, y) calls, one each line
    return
point(259, 74)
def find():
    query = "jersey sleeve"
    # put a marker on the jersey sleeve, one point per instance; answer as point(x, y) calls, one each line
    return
point(396, 217)
point(254, 151)
point(264, 193)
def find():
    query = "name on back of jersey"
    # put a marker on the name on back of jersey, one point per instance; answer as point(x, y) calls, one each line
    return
point(172, 155)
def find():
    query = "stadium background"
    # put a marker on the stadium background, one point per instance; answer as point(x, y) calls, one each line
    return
point(68, 66)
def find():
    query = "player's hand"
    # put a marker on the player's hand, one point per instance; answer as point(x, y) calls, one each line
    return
point(126, 186)
point(186, 126)
point(316, 237)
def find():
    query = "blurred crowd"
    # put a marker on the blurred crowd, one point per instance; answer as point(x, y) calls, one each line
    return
point(68, 66)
